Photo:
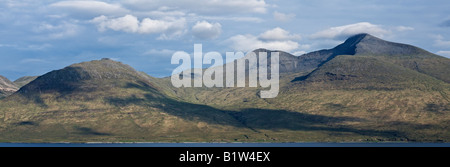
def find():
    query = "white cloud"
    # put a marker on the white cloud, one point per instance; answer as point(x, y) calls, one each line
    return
point(206, 30)
point(127, 23)
point(150, 26)
point(163, 13)
point(345, 31)
point(440, 42)
point(62, 30)
point(283, 17)
point(231, 18)
point(28, 47)
point(404, 28)
point(131, 24)
point(250, 42)
point(444, 53)
point(32, 60)
point(349, 30)
point(7, 45)
point(38, 47)
point(201, 6)
point(269, 40)
point(298, 53)
point(91, 7)
point(278, 34)
point(159, 52)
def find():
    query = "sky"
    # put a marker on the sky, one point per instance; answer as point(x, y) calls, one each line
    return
point(37, 37)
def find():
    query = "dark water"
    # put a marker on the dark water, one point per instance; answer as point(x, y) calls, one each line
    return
point(224, 144)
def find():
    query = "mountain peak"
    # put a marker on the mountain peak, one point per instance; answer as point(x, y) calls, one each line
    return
point(356, 39)
point(83, 75)
point(101, 69)
point(366, 44)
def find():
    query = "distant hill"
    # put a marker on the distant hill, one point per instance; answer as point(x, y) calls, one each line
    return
point(6, 87)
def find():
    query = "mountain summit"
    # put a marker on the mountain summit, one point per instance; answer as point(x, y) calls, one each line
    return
point(87, 76)
point(366, 45)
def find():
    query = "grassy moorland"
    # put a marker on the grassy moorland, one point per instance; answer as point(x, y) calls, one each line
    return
point(364, 90)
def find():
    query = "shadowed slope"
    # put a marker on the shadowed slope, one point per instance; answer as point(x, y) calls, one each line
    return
point(107, 101)
point(403, 55)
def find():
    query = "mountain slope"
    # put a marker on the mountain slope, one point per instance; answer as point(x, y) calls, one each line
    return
point(6, 87)
point(367, 45)
point(371, 62)
point(363, 78)
point(366, 72)
point(361, 90)
point(108, 101)
point(84, 77)
point(405, 55)
point(375, 63)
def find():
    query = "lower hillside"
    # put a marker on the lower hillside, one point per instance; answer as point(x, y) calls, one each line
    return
point(350, 98)
point(106, 101)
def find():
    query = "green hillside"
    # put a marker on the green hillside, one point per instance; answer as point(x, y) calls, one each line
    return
point(24, 81)
point(364, 90)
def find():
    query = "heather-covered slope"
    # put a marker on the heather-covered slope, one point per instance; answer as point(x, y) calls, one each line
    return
point(108, 101)
point(24, 80)
point(365, 89)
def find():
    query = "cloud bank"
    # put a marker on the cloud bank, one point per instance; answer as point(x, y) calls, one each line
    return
point(206, 30)
point(345, 31)
point(274, 39)
point(131, 24)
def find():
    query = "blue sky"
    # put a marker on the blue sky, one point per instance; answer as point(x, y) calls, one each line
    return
point(39, 36)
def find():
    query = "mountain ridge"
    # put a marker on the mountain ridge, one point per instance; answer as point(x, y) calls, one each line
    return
point(407, 56)
point(344, 96)
point(68, 78)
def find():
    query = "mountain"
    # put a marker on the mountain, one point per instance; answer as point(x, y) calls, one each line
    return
point(365, 78)
point(364, 60)
point(403, 55)
point(365, 89)
point(6, 87)
point(85, 77)
point(361, 62)
point(24, 80)
point(105, 100)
